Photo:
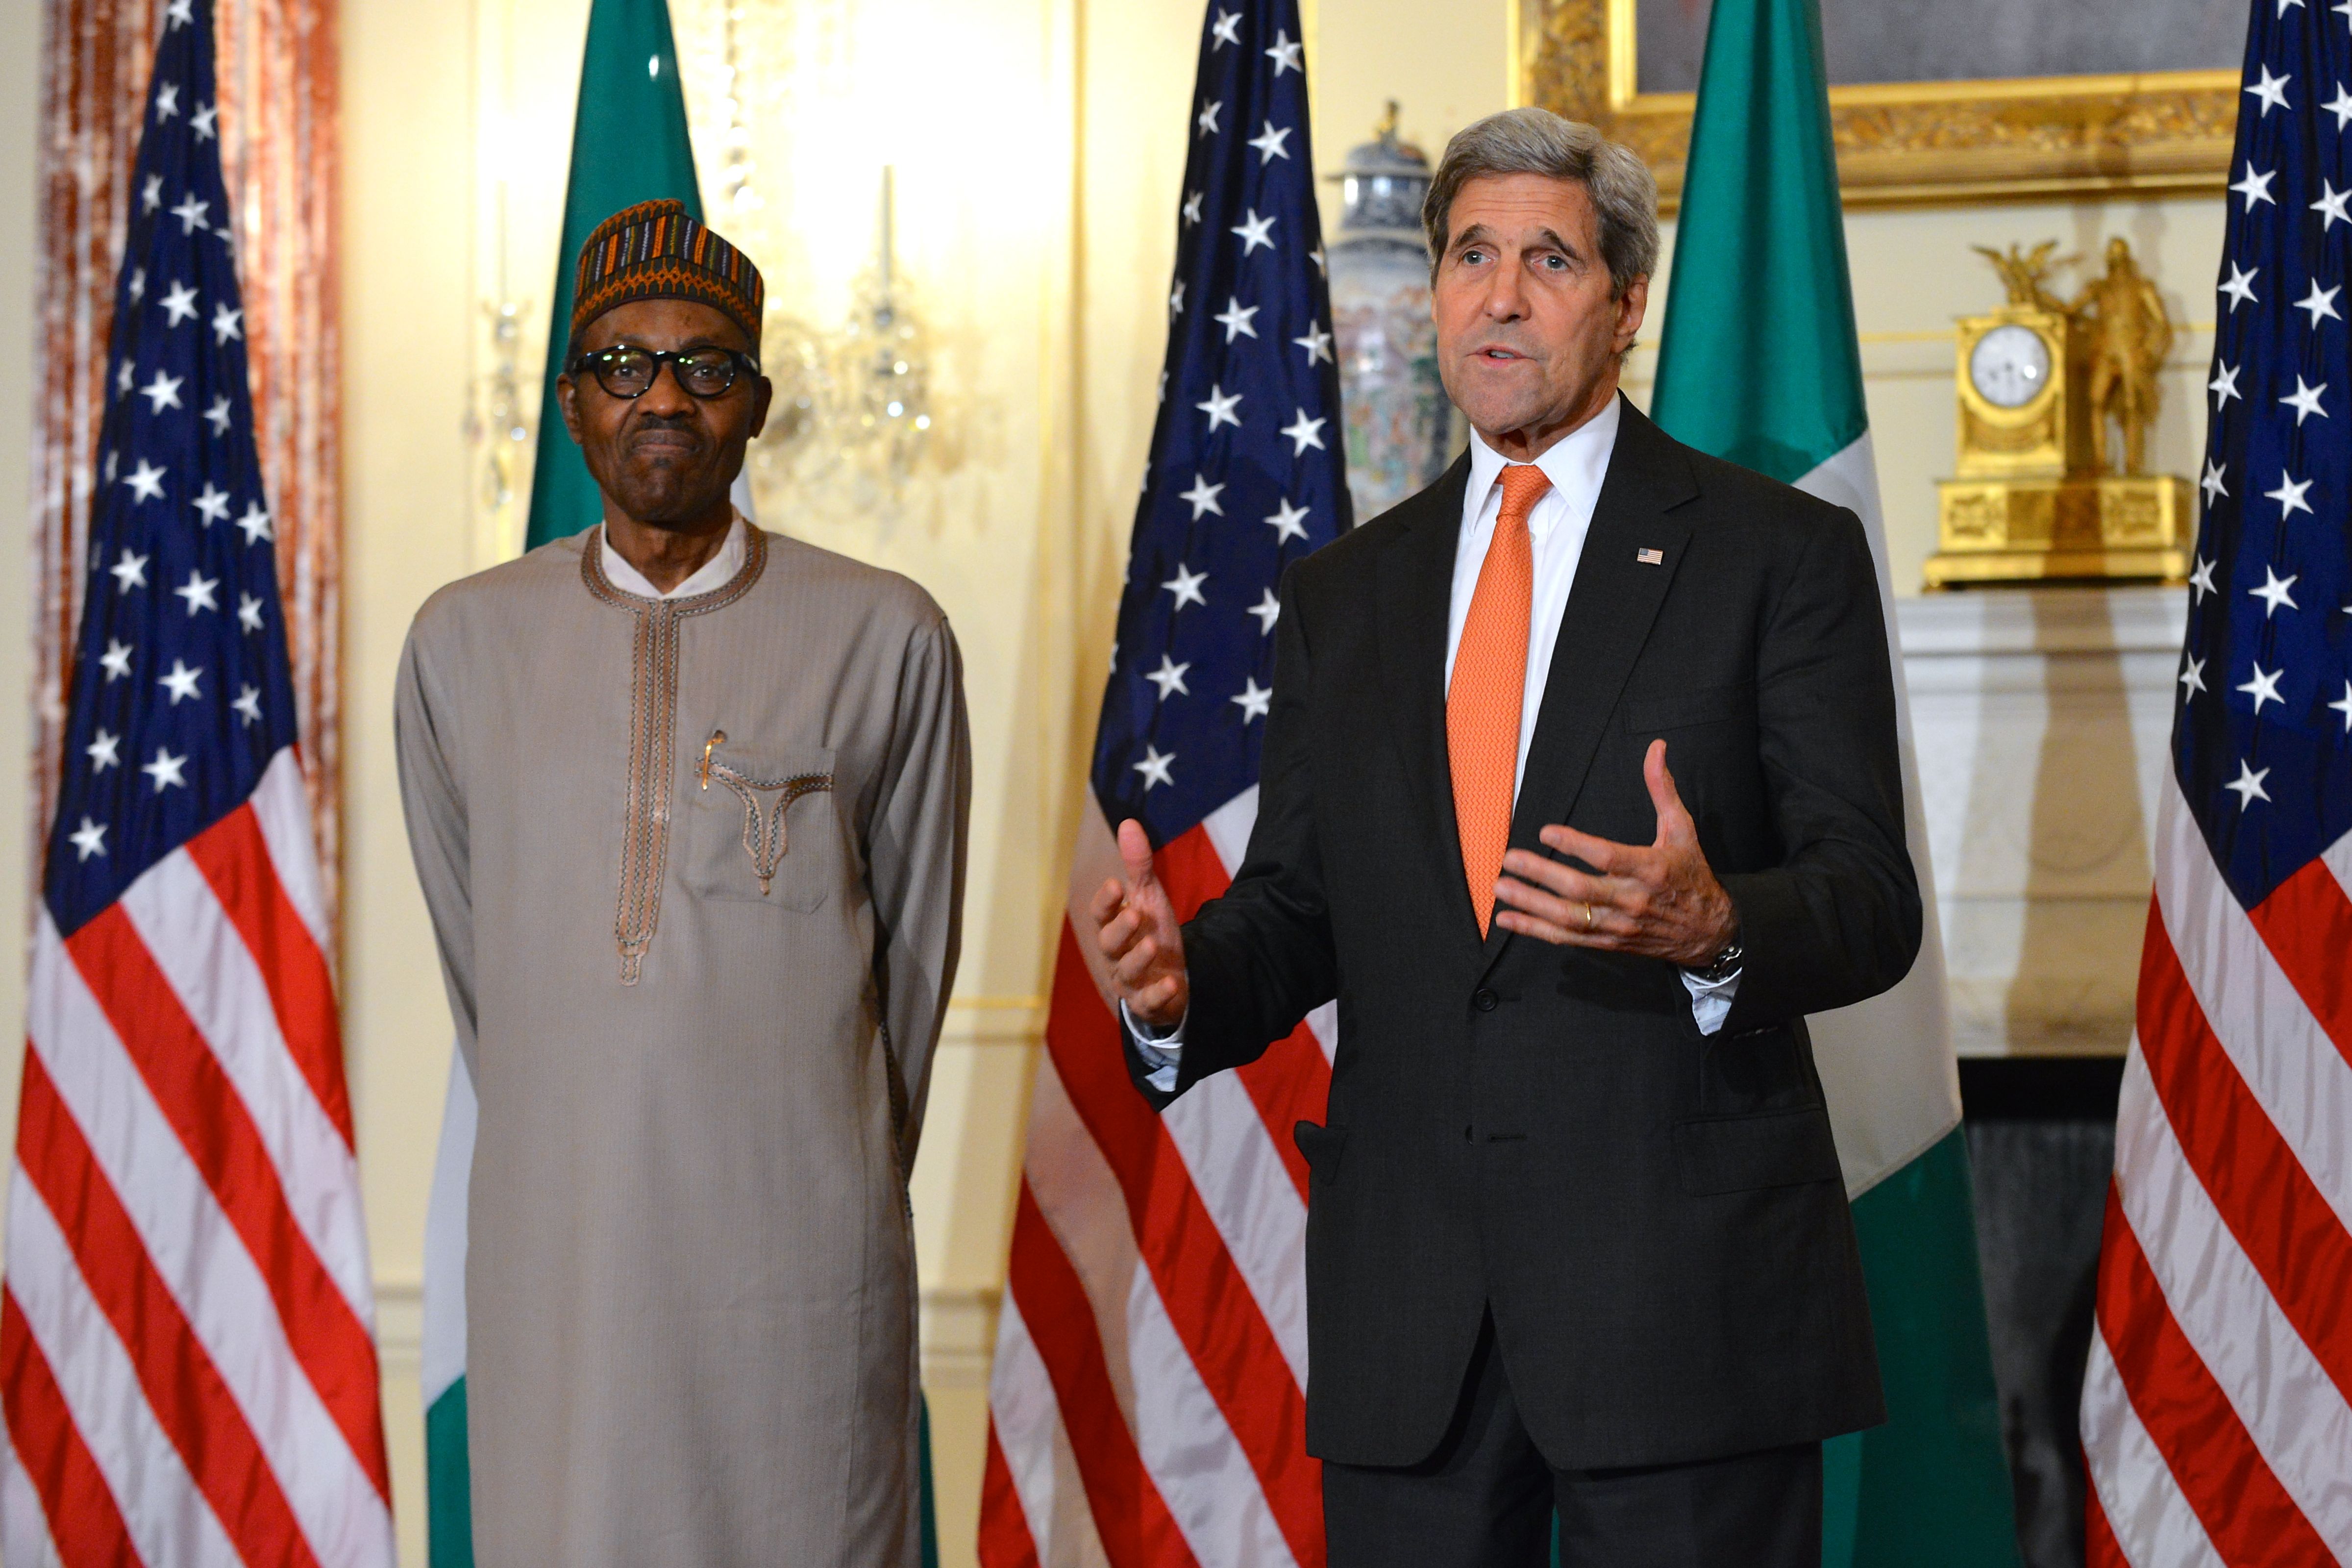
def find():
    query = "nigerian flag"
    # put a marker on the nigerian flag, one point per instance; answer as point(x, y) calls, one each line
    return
point(1759, 364)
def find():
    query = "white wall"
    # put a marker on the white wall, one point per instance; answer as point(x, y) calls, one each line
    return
point(407, 323)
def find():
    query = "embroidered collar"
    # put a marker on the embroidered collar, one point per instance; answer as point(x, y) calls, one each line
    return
point(745, 544)
point(724, 562)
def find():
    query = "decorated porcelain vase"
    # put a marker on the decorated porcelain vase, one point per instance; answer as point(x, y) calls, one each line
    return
point(1399, 427)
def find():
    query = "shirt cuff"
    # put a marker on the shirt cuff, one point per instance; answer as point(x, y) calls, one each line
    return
point(1710, 999)
point(1162, 1049)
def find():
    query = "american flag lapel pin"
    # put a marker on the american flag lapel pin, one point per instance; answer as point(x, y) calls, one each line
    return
point(1650, 557)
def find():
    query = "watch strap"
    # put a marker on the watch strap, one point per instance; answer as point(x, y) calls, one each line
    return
point(1727, 964)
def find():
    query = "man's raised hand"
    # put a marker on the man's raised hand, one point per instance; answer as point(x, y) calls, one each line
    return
point(1655, 900)
point(1134, 926)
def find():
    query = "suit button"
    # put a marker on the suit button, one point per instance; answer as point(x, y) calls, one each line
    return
point(1486, 1001)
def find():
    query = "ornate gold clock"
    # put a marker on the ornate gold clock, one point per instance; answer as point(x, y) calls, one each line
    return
point(2040, 379)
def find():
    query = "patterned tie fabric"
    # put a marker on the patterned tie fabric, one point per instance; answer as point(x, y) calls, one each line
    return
point(1489, 688)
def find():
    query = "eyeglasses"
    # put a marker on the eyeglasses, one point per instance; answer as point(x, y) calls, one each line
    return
point(630, 372)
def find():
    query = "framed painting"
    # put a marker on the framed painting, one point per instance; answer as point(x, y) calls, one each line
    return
point(1960, 100)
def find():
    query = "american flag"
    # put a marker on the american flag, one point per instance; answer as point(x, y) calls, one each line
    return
point(187, 1363)
point(2217, 1410)
point(1148, 1400)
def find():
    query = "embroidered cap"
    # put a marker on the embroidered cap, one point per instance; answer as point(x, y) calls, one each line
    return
point(656, 250)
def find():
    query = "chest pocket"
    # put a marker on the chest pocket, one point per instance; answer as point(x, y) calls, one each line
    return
point(760, 824)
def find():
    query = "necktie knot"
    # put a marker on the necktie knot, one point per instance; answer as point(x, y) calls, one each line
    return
point(1523, 486)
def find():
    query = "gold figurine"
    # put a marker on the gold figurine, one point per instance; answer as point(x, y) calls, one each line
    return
point(2034, 497)
point(2130, 334)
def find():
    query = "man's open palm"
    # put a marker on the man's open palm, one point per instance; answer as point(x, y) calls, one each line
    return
point(1134, 926)
point(1658, 899)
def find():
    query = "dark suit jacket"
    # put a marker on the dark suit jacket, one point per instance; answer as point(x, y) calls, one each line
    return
point(1653, 1217)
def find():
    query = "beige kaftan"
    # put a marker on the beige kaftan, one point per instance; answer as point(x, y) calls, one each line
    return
point(698, 981)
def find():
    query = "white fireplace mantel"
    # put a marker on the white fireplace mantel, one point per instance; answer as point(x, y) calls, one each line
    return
point(2042, 717)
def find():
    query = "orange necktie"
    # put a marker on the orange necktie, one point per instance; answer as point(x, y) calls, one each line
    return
point(1489, 688)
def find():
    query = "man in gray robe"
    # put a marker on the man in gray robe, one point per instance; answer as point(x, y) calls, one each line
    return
point(689, 802)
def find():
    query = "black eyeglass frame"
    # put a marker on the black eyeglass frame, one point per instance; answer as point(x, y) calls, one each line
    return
point(596, 362)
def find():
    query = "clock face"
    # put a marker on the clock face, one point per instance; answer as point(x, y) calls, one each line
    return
point(2010, 366)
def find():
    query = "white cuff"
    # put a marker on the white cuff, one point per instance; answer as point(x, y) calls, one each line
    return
point(1163, 1048)
point(1710, 999)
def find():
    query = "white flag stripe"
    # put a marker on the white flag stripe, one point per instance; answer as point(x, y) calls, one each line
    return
point(2293, 1069)
point(441, 1358)
point(1189, 1452)
point(2339, 857)
point(1886, 1064)
point(1229, 826)
point(283, 809)
point(168, 1519)
point(189, 935)
point(1038, 1453)
point(2152, 1519)
point(2292, 1409)
point(1324, 1022)
point(1187, 1449)
point(1246, 1186)
point(1083, 1206)
point(199, 1256)
point(24, 1524)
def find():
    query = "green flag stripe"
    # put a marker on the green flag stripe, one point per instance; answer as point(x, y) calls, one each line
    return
point(930, 1517)
point(1759, 362)
point(1932, 1487)
point(448, 1482)
point(629, 145)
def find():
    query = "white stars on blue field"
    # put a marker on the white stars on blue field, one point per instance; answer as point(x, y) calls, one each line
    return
point(1245, 474)
point(176, 703)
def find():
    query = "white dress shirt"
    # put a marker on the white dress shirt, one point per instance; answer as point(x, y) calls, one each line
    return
point(715, 573)
point(1576, 465)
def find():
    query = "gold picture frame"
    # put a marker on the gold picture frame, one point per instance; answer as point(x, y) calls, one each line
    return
point(1909, 143)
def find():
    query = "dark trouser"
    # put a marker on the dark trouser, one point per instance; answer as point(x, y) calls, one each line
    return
point(1485, 1499)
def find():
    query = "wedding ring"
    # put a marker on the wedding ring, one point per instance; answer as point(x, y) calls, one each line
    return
point(1588, 917)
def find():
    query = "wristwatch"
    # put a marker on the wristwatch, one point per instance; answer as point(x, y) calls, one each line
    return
point(1727, 964)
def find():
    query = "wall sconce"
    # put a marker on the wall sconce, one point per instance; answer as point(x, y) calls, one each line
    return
point(884, 369)
point(854, 420)
point(498, 422)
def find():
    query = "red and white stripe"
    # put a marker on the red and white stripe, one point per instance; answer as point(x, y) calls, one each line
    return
point(1148, 1403)
point(2217, 1411)
point(186, 1341)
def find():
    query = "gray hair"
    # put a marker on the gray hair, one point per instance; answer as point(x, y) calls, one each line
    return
point(1537, 142)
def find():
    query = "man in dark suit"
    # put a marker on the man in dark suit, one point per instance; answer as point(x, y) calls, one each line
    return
point(1577, 1236)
